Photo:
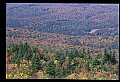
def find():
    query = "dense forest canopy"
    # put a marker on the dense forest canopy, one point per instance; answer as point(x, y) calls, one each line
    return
point(70, 19)
point(62, 41)
point(61, 64)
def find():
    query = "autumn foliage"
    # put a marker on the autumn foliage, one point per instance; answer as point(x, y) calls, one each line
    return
point(46, 65)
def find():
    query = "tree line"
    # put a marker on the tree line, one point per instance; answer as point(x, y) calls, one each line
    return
point(61, 64)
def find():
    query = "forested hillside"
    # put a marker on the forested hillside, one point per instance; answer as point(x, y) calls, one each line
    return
point(62, 41)
point(28, 62)
point(53, 41)
point(69, 19)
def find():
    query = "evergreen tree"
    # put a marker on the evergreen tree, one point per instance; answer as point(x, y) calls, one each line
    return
point(79, 65)
point(36, 64)
point(71, 55)
point(95, 61)
point(62, 59)
point(113, 58)
point(80, 54)
point(57, 71)
point(69, 66)
point(83, 50)
point(88, 54)
point(15, 59)
point(84, 53)
point(35, 49)
point(99, 56)
point(105, 57)
point(14, 47)
point(109, 57)
point(28, 55)
point(63, 71)
point(75, 52)
point(21, 53)
point(50, 69)
point(87, 66)
point(58, 55)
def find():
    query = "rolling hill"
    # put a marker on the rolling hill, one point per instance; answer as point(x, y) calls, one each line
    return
point(66, 41)
point(69, 19)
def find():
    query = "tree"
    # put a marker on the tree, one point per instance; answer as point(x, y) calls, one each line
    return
point(79, 65)
point(61, 71)
point(26, 46)
point(28, 55)
point(88, 54)
point(95, 61)
point(68, 64)
point(14, 47)
point(71, 55)
point(50, 69)
point(35, 49)
point(20, 53)
point(104, 57)
point(62, 59)
point(75, 52)
point(57, 71)
point(8, 55)
point(80, 54)
point(83, 50)
point(84, 53)
point(36, 64)
point(99, 56)
point(57, 55)
point(75, 62)
point(87, 66)
point(109, 57)
point(15, 59)
point(113, 58)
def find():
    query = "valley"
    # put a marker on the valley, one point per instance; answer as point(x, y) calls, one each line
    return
point(62, 41)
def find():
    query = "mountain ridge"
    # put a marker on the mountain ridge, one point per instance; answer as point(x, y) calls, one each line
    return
point(77, 17)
